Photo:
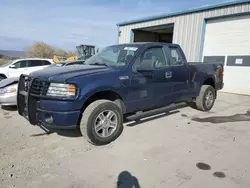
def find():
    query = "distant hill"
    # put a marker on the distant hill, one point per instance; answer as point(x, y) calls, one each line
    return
point(12, 53)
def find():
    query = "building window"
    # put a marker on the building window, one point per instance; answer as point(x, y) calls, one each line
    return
point(214, 59)
point(238, 61)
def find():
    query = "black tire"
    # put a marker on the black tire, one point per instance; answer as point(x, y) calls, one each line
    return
point(90, 114)
point(2, 78)
point(201, 99)
point(119, 103)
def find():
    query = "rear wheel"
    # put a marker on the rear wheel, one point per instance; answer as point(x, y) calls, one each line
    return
point(205, 100)
point(102, 122)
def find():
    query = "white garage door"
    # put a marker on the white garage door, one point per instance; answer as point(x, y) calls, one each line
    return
point(227, 40)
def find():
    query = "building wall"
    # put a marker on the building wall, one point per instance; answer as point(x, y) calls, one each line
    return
point(188, 29)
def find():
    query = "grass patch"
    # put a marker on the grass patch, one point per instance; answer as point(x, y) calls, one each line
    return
point(3, 61)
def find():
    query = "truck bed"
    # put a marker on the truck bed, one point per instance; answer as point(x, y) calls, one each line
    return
point(209, 68)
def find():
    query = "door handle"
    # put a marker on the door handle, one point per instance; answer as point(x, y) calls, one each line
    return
point(168, 74)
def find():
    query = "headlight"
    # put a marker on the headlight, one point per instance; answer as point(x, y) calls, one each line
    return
point(61, 90)
point(8, 90)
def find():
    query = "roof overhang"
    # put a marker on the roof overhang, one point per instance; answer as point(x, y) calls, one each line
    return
point(204, 8)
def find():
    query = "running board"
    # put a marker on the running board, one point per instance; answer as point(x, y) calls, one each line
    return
point(140, 115)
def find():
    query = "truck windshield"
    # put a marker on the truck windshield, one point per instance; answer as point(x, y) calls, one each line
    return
point(117, 56)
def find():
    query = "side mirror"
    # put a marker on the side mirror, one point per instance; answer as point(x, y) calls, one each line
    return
point(174, 59)
point(12, 66)
point(145, 66)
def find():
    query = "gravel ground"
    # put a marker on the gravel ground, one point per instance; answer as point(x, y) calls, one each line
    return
point(183, 148)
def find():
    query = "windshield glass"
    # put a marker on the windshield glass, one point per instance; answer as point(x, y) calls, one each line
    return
point(117, 56)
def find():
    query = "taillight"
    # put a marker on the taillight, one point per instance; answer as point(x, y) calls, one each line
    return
point(222, 71)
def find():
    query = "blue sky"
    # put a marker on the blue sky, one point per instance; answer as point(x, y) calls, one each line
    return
point(67, 23)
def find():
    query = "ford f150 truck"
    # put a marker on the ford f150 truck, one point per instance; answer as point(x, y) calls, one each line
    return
point(119, 80)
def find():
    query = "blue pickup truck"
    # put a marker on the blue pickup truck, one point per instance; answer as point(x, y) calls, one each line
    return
point(120, 80)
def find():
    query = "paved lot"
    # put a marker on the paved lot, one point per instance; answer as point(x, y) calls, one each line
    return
point(185, 148)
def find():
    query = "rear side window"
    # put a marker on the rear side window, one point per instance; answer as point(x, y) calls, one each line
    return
point(175, 56)
point(35, 63)
point(45, 62)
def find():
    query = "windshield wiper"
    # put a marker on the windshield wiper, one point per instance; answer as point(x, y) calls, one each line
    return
point(101, 64)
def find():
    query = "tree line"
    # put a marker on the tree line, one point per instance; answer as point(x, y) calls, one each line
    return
point(43, 50)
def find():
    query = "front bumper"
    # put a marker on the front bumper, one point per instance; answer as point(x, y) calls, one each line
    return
point(49, 113)
point(8, 99)
point(57, 120)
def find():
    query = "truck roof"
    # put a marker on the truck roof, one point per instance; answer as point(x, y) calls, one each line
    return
point(34, 58)
point(147, 44)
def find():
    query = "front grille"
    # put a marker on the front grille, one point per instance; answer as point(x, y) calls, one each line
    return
point(26, 104)
point(24, 83)
point(39, 87)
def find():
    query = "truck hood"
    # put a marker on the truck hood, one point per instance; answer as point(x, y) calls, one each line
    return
point(64, 73)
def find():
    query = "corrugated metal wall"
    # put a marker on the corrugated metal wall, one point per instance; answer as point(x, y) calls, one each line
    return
point(187, 28)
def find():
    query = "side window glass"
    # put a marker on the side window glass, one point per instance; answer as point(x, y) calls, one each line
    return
point(153, 56)
point(34, 63)
point(175, 56)
point(45, 62)
point(20, 64)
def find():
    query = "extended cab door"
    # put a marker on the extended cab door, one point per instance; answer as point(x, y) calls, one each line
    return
point(180, 71)
point(150, 84)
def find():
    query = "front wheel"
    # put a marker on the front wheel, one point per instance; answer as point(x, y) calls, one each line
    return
point(102, 122)
point(205, 100)
point(2, 78)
